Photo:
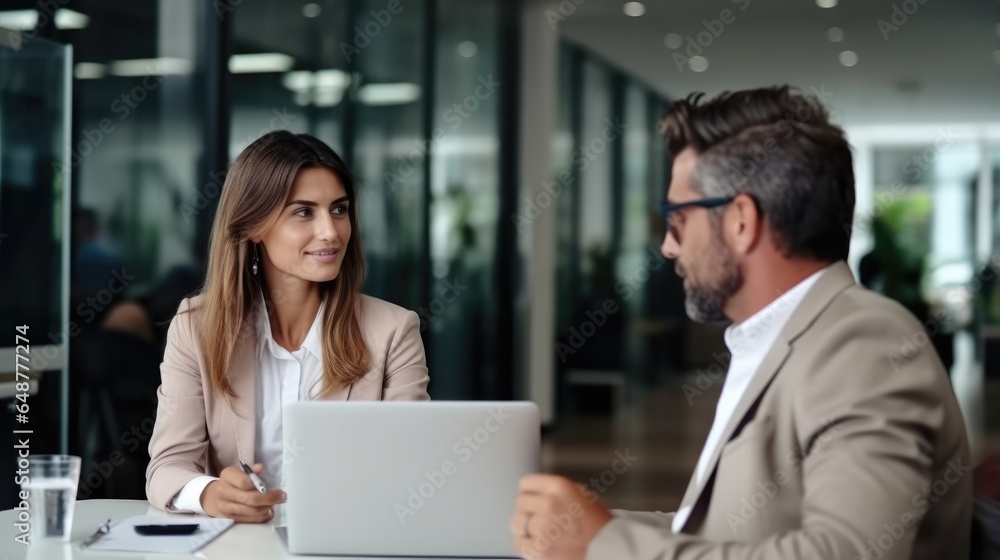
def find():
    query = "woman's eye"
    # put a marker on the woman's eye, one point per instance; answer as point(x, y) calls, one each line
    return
point(340, 210)
point(303, 212)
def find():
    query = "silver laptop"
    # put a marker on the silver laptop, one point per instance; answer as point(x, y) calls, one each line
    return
point(406, 478)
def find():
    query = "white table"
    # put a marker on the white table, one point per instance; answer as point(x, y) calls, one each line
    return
point(240, 542)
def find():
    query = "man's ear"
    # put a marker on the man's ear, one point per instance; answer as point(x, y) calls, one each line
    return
point(745, 225)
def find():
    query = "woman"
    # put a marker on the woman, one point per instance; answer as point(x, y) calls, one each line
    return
point(281, 318)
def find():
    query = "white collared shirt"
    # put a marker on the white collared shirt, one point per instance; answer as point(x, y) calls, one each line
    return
point(748, 343)
point(282, 377)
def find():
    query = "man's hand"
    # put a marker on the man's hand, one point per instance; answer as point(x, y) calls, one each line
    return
point(235, 497)
point(555, 518)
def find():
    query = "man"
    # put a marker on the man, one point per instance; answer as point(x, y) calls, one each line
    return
point(837, 434)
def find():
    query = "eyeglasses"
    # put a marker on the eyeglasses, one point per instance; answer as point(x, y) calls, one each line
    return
point(669, 208)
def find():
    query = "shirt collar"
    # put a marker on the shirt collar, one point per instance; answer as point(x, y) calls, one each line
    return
point(757, 334)
point(313, 342)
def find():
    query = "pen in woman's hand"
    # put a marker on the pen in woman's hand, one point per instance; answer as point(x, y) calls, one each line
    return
point(253, 477)
point(235, 496)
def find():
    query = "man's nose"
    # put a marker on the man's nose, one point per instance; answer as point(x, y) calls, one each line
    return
point(670, 246)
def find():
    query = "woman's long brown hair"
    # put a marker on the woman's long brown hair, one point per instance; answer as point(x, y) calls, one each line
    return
point(253, 195)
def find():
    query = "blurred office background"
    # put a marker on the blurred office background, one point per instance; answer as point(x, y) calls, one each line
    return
point(511, 170)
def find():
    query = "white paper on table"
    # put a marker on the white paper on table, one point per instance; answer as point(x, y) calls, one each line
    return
point(122, 536)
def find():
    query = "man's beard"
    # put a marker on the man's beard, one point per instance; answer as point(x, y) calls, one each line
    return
point(704, 300)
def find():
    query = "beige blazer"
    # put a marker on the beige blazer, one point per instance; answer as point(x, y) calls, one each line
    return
point(848, 444)
point(194, 431)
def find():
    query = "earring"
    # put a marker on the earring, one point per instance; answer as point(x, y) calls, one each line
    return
point(255, 259)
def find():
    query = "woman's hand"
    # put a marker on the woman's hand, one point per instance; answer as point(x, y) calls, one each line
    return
point(235, 497)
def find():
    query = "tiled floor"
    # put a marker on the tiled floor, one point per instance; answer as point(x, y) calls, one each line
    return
point(663, 430)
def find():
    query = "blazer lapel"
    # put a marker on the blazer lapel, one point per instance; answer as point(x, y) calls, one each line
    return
point(244, 405)
point(834, 280)
point(761, 379)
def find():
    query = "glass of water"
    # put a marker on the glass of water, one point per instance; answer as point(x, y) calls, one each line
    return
point(51, 486)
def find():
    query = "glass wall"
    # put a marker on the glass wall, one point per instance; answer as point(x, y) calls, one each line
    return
point(596, 184)
point(387, 139)
point(136, 110)
point(993, 153)
point(418, 97)
point(34, 244)
point(286, 71)
point(409, 93)
point(988, 340)
point(637, 258)
point(465, 198)
point(566, 131)
point(140, 189)
point(608, 237)
point(992, 293)
point(167, 93)
point(664, 325)
point(351, 74)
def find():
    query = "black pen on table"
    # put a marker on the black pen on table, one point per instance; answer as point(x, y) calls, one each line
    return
point(253, 477)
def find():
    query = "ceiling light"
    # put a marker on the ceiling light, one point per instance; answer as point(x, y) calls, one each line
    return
point(260, 62)
point(19, 20)
point(27, 20)
point(327, 97)
point(311, 10)
point(331, 78)
point(634, 9)
point(848, 58)
point(835, 34)
point(389, 94)
point(89, 70)
point(299, 80)
point(68, 19)
point(673, 40)
point(467, 49)
point(826, 3)
point(303, 80)
point(698, 63)
point(164, 66)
